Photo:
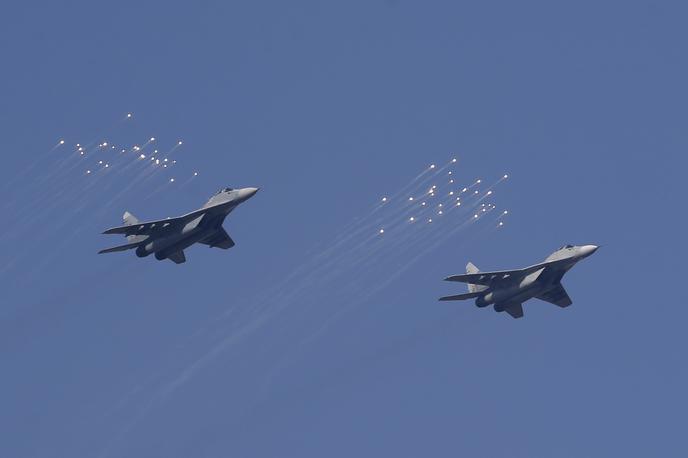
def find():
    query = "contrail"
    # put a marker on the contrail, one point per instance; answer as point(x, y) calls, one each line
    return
point(345, 269)
point(30, 168)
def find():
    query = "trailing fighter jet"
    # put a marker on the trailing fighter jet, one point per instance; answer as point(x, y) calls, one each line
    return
point(508, 289)
point(168, 238)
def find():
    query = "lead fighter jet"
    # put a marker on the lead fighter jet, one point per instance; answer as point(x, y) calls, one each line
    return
point(508, 289)
point(168, 238)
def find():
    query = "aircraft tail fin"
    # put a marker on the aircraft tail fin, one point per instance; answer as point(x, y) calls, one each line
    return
point(130, 220)
point(472, 269)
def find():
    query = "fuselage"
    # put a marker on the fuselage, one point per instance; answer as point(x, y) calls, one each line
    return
point(205, 225)
point(192, 232)
point(538, 282)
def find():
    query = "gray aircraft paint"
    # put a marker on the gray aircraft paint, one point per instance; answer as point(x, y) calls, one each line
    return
point(167, 238)
point(506, 290)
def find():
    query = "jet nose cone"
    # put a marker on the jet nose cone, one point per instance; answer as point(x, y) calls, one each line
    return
point(587, 250)
point(247, 193)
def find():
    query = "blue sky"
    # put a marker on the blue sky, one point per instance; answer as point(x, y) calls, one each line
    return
point(327, 107)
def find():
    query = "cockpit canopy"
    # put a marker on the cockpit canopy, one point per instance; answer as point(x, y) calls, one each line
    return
point(224, 190)
point(566, 247)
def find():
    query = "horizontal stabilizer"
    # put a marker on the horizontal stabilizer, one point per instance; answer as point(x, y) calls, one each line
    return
point(461, 297)
point(125, 247)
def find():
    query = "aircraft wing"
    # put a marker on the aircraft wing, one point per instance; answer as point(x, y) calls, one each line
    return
point(219, 239)
point(556, 296)
point(499, 276)
point(148, 227)
point(151, 227)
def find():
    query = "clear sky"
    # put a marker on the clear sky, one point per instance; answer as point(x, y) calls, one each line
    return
point(327, 107)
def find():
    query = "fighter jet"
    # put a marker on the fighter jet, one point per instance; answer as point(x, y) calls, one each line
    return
point(168, 238)
point(508, 289)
